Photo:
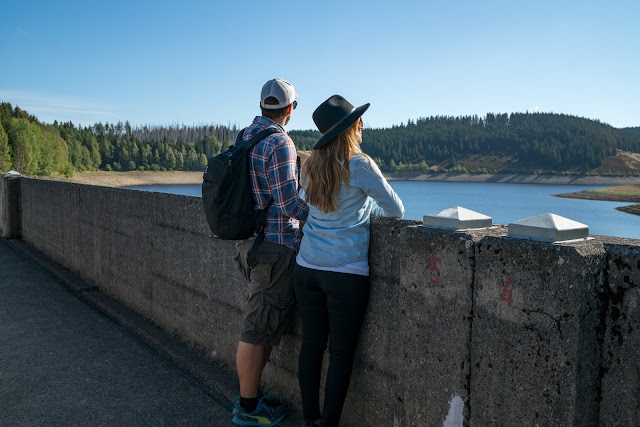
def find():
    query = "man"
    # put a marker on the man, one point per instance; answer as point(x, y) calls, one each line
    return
point(270, 294)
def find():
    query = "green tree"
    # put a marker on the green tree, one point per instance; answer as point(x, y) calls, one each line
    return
point(75, 153)
point(6, 112)
point(46, 159)
point(90, 141)
point(179, 160)
point(5, 151)
point(191, 162)
point(26, 142)
point(171, 159)
point(211, 146)
point(202, 161)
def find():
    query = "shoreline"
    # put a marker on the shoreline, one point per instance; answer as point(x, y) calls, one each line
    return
point(609, 196)
point(131, 178)
point(624, 193)
point(547, 179)
point(599, 195)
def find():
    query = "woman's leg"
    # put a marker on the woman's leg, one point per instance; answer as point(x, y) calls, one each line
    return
point(347, 298)
point(312, 305)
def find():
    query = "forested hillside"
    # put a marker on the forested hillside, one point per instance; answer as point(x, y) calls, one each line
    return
point(633, 131)
point(532, 142)
point(33, 148)
point(519, 142)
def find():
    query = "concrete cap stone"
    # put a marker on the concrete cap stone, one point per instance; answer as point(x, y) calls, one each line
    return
point(457, 218)
point(548, 228)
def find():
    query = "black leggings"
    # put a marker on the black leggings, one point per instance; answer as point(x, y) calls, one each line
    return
point(331, 305)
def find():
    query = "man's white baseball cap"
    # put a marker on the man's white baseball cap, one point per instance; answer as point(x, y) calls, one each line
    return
point(281, 90)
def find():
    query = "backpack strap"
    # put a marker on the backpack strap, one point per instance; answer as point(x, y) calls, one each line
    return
point(262, 215)
point(256, 138)
point(262, 223)
point(239, 137)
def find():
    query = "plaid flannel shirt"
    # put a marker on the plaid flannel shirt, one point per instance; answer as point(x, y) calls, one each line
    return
point(274, 174)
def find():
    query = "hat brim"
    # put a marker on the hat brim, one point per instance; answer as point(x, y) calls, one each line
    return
point(341, 126)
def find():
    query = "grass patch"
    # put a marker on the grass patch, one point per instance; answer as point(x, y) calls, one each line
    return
point(624, 190)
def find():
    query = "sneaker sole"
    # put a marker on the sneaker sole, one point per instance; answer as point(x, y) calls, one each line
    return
point(238, 422)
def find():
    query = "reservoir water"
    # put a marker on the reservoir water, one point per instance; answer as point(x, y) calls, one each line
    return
point(505, 203)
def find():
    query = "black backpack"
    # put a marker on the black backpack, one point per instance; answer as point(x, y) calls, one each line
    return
point(227, 195)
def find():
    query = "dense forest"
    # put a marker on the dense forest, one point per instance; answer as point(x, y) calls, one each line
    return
point(534, 141)
point(34, 148)
point(633, 131)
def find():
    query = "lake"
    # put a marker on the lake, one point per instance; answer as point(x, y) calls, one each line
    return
point(505, 203)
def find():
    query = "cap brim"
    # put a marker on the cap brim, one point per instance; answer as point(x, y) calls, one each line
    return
point(341, 126)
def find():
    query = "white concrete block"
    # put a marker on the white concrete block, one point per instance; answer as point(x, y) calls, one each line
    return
point(457, 218)
point(548, 228)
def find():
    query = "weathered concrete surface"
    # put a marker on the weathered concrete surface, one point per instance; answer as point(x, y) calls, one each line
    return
point(154, 253)
point(10, 209)
point(3, 204)
point(535, 350)
point(620, 405)
point(149, 250)
point(415, 339)
point(439, 345)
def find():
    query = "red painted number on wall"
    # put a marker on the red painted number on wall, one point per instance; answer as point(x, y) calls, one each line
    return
point(507, 294)
point(433, 267)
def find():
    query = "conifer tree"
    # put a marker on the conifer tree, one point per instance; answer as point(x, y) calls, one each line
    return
point(5, 151)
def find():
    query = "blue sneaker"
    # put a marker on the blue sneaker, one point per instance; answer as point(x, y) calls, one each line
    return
point(264, 415)
point(266, 398)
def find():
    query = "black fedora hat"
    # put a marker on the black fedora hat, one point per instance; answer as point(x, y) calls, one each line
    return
point(334, 116)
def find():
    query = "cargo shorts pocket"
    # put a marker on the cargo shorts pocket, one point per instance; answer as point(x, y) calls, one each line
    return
point(273, 311)
point(241, 265)
point(261, 271)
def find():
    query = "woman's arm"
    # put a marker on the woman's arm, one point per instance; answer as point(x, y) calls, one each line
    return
point(370, 180)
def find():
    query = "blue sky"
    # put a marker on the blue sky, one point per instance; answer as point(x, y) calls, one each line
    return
point(197, 62)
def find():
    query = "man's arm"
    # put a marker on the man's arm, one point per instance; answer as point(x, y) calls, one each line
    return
point(284, 182)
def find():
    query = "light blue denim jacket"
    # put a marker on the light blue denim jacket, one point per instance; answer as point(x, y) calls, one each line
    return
point(341, 237)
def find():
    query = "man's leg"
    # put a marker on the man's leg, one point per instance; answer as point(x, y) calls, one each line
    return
point(269, 298)
point(250, 362)
point(253, 410)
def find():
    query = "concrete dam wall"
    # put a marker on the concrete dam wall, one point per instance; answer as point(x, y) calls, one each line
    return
point(462, 327)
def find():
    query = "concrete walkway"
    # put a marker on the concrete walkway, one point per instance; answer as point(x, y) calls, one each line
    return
point(70, 356)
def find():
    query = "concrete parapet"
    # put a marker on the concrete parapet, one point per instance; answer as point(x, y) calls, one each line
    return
point(415, 340)
point(10, 207)
point(535, 351)
point(620, 405)
point(3, 206)
point(463, 327)
point(151, 251)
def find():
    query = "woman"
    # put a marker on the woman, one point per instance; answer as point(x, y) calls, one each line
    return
point(343, 186)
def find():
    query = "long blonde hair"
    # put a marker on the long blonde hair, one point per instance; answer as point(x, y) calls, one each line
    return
point(328, 167)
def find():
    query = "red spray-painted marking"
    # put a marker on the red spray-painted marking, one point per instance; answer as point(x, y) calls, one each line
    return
point(507, 297)
point(433, 267)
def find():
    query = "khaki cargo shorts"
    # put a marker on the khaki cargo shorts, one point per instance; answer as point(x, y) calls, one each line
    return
point(269, 293)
